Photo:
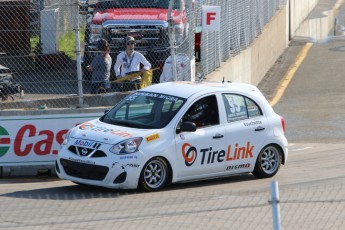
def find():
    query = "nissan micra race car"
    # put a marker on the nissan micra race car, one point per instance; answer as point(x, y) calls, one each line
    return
point(173, 132)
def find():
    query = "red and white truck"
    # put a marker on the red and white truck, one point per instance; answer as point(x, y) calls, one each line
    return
point(146, 20)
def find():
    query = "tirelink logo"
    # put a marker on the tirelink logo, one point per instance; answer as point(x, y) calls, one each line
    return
point(210, 156)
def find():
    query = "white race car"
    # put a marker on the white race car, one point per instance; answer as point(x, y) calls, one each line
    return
point(173, 132)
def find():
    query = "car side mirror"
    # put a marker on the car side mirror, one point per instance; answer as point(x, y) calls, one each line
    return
point(186, 127)
point(106, 111)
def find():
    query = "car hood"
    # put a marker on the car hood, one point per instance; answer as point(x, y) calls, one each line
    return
point(134, 14)
point(96, 130)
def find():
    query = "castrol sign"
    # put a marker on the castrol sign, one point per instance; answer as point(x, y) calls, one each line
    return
point(35, 140)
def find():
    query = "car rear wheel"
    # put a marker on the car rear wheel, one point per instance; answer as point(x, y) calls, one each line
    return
point(154, 175)
point(268, 162)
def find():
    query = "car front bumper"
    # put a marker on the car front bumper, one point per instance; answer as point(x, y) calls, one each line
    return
point(114, 174)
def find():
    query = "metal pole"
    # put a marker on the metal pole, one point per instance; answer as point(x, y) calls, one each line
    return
point(172, 39)
point(275, 205)
point(219, 49)
point(78, 56)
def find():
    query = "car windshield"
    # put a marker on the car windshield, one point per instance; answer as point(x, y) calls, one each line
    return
point(144, 110)
point(163, 4)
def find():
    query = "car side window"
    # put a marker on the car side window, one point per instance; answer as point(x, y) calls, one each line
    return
point(238, 107)
point(253, 109)
point(203, 112)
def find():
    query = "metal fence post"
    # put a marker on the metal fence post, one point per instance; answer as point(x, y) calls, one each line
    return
point(172, 39)
point(275, 205)
point(78, 57)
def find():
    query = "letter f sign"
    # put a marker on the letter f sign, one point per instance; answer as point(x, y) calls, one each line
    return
point(210, 18)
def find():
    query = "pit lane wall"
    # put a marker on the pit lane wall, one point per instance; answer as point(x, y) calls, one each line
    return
point(293, 19)
point(30, 140)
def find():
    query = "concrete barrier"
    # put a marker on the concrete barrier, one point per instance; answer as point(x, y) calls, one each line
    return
point(320, 23)
point(298, 12)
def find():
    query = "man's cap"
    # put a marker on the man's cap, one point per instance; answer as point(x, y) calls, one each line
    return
point(129, 39)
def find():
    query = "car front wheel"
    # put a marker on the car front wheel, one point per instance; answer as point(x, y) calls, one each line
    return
point(268, 162)
point(154, 175)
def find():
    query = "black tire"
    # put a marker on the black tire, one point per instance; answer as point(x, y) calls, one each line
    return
point(154, 175)
point(268, 162)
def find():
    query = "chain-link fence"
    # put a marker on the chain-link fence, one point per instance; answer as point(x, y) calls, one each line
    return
point(44, 64)
point(47, 46)
point(301, 207)
point(241, 22)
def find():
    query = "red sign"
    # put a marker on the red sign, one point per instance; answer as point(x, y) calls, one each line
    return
point(35, 140)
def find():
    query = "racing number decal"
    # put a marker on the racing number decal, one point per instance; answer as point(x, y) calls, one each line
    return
point(234, 107)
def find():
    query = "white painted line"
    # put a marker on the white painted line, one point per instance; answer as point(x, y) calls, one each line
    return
point(301, 149)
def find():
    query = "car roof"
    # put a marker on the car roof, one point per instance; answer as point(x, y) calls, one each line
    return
point(186, 89)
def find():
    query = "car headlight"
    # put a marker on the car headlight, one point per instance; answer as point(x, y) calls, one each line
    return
point(95, 33)
point(127, 146)
point(66, 138)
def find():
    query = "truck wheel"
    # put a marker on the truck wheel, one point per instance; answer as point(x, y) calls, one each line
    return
point(154, 175)
point(268, 162)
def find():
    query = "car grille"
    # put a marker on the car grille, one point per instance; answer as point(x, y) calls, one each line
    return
point(86, 152)
point(147, 36)
point(84, 171)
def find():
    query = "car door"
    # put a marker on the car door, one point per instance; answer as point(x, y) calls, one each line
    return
point(246, 131)
point(201, 153)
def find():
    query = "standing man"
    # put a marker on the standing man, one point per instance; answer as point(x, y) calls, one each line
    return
point(100, 68)
point(130, 61)
point(182, 69)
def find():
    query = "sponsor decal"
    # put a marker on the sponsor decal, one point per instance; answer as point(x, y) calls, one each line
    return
point(235, 167)
point(210, 156)
point(124, 166)
point(152, 137)
point(91, 127)
point(5, 141)
point(82, 161)
point(86, 125)
point(34, 140)
point(89, 144)
point(252, 123)
point(182, 137)
point(153, 95)
point(132, 165)
point(189, 154)
point(28, 139)
point(128, 157)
